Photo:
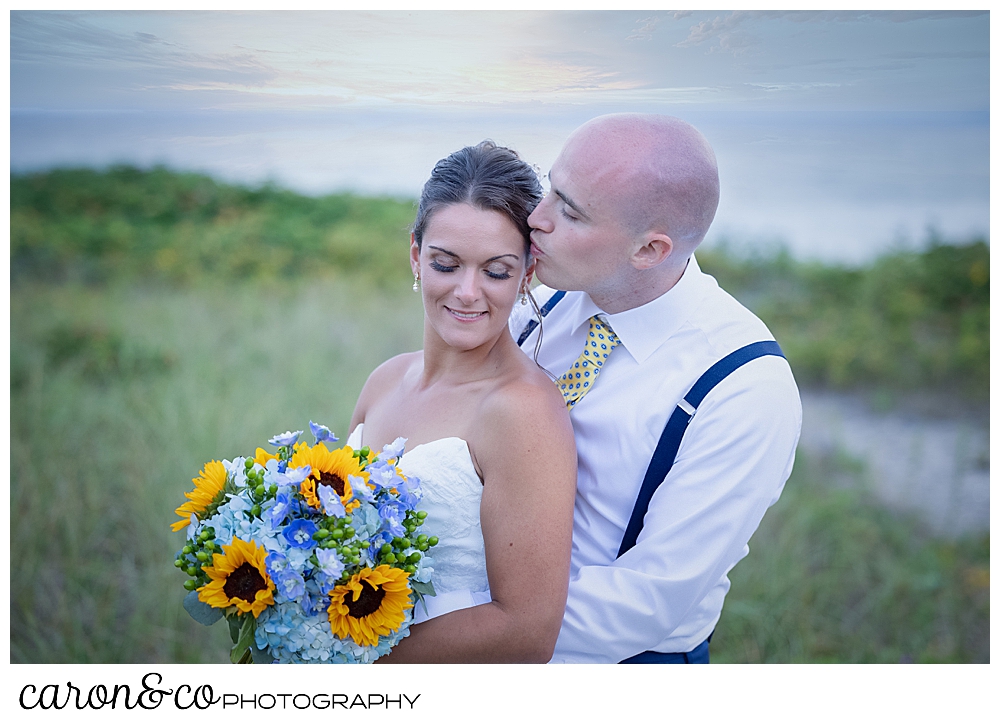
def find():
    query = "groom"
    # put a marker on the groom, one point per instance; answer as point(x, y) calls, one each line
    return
point(654, 535)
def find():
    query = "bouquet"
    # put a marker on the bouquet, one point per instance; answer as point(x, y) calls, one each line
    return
point(311, 554)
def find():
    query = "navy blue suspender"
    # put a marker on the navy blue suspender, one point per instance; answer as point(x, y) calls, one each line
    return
point(670, 439)
point(546, 308)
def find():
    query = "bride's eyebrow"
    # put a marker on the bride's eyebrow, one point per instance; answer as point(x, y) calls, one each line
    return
point(451, 253)
point(445, 251)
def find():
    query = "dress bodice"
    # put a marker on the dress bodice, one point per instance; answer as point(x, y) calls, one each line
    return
point(452, 493)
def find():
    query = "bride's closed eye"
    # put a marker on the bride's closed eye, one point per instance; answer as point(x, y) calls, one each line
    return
point(438, 266)
point(497, 273)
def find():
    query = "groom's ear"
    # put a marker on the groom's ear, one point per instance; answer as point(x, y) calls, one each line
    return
point(656, 249)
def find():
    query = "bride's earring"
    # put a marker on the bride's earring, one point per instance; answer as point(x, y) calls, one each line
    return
point(416, 282)
point(524, 298)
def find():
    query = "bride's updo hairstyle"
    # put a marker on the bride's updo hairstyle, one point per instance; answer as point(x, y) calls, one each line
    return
point(485, 176)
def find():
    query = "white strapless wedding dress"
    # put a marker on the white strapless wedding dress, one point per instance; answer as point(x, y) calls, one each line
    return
point(452, 492)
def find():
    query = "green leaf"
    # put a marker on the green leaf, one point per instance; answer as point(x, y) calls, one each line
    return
point(201, 611)
point(234, 628)
point(423, 589)
point(241, 650)
point(260, 656)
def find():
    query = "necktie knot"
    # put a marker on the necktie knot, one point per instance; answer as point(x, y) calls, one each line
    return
point(582, 374)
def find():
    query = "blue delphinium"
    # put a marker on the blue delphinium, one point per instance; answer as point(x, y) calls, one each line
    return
point(299, 533)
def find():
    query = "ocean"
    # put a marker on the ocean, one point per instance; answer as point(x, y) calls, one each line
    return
point(836, 186)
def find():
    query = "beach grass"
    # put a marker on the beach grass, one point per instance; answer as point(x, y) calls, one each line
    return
point(121, 392)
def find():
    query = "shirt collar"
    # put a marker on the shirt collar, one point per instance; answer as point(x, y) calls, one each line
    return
point(642, 330)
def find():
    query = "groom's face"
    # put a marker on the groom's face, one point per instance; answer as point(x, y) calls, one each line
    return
point(578, 239)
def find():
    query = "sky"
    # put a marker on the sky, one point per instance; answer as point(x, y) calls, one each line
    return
point(867, 126)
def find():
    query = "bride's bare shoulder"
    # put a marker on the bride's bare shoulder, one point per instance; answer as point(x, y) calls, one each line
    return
point(526, 403)
point(383, 379)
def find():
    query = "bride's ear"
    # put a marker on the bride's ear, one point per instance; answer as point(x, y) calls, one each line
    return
point(529, 273)
point(414, 256)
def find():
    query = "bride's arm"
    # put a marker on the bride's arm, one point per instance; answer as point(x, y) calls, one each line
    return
point(527, 456)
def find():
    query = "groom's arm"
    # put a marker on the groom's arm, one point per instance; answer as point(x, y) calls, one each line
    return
point(699, 521)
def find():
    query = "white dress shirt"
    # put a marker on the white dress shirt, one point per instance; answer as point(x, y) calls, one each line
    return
point(666, 593)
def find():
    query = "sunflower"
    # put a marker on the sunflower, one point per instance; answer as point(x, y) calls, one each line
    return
point(372, 604)
point(207, 485)
point(239, 579)
point(261, 456)
point(328, 468)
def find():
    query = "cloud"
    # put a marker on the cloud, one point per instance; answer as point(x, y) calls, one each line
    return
point(731, 38)
point(645, 32)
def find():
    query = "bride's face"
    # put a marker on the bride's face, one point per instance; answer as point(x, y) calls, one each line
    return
point(472, 265)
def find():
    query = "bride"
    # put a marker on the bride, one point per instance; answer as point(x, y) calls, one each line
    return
point(487, 432)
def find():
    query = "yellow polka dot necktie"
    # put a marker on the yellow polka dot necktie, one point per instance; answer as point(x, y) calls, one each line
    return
point(582, 374)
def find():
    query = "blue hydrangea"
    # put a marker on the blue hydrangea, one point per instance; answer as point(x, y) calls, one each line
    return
point(236, 471)
point(292, 636)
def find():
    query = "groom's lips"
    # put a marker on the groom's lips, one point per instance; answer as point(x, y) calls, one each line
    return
point(535, 251)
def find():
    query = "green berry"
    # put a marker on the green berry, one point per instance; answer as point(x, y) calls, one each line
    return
point(190, 584)
point(337, 533)
point(259, 491)
point(421, 514)
point(366, 451)
point(433, 540)
point(255, 511)
point(201, 556)
point(405, 543)
point(179, 563)
point(187, 550)
point(349, 532)
point(386, 549)
point(413, 558)
point(248, 463)
point(192, 570)
point(389, 558)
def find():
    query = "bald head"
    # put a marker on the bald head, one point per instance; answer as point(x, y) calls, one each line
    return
point(659, 172)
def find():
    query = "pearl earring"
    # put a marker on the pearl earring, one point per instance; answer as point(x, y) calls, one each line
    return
point(524, 299)
point(416, 282)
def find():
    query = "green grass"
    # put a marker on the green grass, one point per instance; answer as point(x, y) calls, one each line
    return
point(120, 393)
point(834, 577)
point(127, 223)
point(102, 449)
point(910, 319)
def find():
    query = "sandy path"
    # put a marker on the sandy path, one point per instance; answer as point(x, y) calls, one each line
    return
point(934, 465)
